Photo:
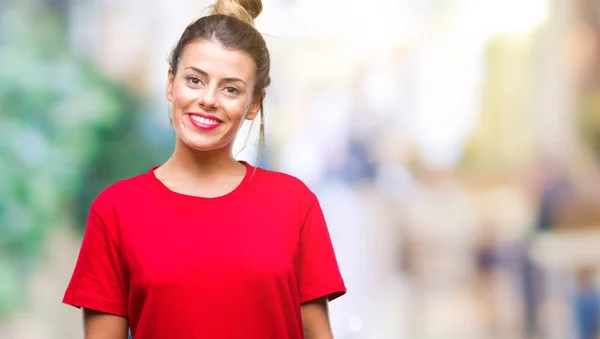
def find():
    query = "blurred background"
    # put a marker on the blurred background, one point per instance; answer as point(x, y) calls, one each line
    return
point(454, 146)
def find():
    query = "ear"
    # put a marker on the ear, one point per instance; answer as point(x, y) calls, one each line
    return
point(169, 91)
point(255, 107)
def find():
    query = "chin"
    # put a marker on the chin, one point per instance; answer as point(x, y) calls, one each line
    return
point(204, 144)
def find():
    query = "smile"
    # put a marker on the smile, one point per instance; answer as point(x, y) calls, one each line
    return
point(203, 122)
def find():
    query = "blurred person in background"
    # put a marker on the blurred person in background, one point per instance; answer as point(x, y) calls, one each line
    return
point(553, 190)
point(487, 268)
point(205, 246)
point(586, 305)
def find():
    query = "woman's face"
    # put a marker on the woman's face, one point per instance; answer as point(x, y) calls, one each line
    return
point(211, 94)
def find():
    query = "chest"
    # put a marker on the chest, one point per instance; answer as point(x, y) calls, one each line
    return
point(209, 246)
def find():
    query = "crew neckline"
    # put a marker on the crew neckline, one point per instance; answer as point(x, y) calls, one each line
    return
point(250, 170)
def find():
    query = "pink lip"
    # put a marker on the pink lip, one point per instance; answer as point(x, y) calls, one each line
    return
point(205, 127)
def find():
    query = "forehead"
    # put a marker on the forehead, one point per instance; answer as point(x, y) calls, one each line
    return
point(218, 61)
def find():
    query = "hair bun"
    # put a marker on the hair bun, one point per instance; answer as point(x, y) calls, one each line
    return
point(245, 10)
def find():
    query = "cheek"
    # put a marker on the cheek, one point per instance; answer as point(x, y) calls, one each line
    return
point(182, 97)
point(236, 109)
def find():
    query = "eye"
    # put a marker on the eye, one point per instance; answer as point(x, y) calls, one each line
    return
point(193, 80)
point(232, 90)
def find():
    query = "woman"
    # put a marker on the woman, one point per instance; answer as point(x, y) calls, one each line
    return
point(205, 246)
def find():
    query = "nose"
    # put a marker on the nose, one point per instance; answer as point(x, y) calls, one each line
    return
point(208, 99)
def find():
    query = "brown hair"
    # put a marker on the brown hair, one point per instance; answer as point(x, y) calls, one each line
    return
point(231, 24)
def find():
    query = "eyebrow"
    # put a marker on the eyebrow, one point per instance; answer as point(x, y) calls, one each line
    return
point(198, 70)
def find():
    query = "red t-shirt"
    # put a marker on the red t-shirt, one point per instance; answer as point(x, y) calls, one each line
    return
point(237, 266)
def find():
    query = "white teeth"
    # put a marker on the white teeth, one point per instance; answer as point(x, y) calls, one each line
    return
point(205, 121)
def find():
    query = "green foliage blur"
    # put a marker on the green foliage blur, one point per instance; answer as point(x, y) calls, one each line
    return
point(66, 132)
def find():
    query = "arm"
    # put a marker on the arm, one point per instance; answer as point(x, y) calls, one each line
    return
point(99, 325)
point(319, 279)
point(315, 319)
point(98, 283)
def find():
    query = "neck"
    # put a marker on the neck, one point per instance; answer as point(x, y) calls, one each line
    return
point(201, 163)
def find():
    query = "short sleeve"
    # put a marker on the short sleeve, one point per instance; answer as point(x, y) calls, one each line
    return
point(98, 280)
point(319, 271)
